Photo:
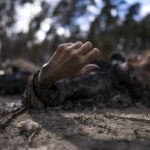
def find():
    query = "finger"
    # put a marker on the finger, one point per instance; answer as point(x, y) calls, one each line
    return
point(63, 46)
point(88, 68)
point(85, 48)
point(68, 44)
point(92, 55)
point(76, 45)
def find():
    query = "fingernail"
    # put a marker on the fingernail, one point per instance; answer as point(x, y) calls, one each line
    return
point(89, 43)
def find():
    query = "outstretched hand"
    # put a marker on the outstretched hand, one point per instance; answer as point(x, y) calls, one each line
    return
point(69, 60)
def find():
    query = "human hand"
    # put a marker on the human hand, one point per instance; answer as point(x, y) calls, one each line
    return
point(69, 60)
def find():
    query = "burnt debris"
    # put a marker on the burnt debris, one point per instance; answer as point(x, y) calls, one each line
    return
point(125, 82)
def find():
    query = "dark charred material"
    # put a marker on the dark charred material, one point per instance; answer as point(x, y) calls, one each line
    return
point(111, 85)
point(13, 84)
point(119, 84)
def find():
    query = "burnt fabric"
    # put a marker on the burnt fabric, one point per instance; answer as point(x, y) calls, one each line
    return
point(37, 97)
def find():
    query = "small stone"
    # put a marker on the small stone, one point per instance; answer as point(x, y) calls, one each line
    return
point(28, 126)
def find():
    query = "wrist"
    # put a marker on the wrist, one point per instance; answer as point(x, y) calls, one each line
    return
point(45, 79)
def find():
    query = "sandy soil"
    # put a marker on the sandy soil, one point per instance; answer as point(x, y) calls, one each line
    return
point(97, 129)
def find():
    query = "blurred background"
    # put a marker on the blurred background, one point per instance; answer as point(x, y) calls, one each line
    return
point(32, 29)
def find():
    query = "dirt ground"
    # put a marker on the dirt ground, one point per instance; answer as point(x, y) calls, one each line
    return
point(59, 129)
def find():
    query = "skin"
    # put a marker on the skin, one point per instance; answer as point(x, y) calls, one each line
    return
point(69, 60)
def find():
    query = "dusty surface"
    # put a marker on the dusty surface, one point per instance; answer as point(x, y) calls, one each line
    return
point(94, 129)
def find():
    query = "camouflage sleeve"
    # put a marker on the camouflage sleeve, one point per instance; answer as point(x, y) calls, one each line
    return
point(37, 97)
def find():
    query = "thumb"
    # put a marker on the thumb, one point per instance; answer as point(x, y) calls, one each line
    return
point(88, 68)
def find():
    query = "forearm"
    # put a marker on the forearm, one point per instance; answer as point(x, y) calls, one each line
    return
point(69, 60)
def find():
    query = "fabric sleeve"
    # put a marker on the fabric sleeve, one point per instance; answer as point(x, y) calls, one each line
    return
point(37, 97)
